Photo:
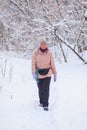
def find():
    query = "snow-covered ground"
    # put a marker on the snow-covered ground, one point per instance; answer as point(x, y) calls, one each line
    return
point(19, 108)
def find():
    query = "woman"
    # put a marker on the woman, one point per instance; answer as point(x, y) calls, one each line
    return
point(43, 62)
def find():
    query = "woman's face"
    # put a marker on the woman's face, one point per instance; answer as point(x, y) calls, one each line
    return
point(43, 45)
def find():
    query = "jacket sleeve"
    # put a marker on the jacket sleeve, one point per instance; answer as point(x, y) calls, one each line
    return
point(53, 67)
point(34, 63)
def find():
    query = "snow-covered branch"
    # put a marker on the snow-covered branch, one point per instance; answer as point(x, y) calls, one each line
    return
point(80, 5)
point(15, 3)
point(67, 44)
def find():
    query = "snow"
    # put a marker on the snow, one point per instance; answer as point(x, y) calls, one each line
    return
point(19, 108)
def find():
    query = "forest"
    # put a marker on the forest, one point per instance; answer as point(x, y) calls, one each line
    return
point(62, 23)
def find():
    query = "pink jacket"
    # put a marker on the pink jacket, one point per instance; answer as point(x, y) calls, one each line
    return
point(43, 60)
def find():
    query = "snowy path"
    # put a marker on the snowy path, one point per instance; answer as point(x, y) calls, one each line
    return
point(19, 94)
point(18, 101)
point(72, 97)
point(24, 117)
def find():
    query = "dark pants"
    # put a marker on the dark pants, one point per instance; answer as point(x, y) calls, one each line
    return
point(43, 87)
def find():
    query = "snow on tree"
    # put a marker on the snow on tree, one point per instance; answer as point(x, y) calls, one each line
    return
point(24, 23)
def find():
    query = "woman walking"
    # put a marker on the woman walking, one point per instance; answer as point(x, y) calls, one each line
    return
point(43, 62)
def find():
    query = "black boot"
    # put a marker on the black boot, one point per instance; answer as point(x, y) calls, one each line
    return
point(45, 108)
